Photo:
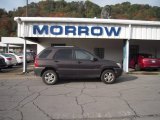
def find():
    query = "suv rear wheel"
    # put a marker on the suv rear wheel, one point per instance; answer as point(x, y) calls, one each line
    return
point(108, 77)
point(49, 77)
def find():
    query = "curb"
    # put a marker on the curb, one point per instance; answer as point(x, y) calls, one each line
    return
point(144, 73)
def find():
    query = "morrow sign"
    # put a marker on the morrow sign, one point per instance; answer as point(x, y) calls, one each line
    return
point(66, 30)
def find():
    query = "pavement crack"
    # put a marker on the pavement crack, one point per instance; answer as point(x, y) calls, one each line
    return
point(47, 115)
point(28, 89)
point(150, 115)
point(76, 99)
point(19, 103)
point(21, 113)
point(65, 94)
point(38, 94)
point(29, 101)
point(136, 115)
point(84, 87)
point(82, 109)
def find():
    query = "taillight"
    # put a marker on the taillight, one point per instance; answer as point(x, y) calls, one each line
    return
point(9, 59)
point(36, 62)
point(143, 61)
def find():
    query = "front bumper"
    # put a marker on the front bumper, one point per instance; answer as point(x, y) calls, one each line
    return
point(3, 66)
point(118, 71)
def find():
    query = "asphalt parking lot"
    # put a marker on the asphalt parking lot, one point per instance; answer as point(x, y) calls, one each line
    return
point(132, 97)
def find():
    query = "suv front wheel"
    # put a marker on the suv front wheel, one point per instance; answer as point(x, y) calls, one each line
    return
point(49, 77)
point(108, 76)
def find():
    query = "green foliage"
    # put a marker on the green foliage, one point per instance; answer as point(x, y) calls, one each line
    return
point(3, 32)
point(135, 12)
point(79, 9)
point(2, 12)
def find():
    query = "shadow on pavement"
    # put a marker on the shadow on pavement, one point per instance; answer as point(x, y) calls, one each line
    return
point(126, 78)
point(75, 80)
point(123, 78)
point(16, 69)
point(11, 69)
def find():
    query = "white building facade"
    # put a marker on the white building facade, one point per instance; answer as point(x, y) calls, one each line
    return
point(107, 38)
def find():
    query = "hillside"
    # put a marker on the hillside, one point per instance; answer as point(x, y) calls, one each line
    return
point(51, 8)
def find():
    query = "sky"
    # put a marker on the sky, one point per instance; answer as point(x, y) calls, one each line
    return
point(13, 4)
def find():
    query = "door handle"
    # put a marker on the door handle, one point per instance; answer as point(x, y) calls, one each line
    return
point(79, 62)
point(56, 61)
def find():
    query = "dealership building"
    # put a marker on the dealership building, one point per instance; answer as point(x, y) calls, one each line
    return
point(112, 39)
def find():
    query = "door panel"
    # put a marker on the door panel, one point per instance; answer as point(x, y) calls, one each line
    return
point(86, 67)
point(66, 67)
point(65, 63)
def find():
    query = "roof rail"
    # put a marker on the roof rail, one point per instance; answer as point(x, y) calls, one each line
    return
point(63, 46)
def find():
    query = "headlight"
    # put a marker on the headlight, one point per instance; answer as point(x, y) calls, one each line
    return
point(119, 65)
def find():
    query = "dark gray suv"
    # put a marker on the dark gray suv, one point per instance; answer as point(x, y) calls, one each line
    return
point(54, 63)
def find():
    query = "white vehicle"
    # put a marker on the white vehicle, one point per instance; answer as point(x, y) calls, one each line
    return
point(9, 60)
point(29, 57)
point(18, 56)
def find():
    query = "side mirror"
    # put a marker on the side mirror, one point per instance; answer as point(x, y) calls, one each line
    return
point(95, 59)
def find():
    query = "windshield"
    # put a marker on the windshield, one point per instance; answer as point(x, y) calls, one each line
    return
point(147, 56)
point(6, 55)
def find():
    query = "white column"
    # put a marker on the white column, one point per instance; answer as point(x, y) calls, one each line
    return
point(24, 57)
point(126, 56)
point(126, 50)
point(7, 48)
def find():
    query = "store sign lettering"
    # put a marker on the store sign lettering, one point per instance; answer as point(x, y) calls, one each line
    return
point(76, 30)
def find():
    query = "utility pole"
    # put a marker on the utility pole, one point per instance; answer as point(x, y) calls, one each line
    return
point(26, 8)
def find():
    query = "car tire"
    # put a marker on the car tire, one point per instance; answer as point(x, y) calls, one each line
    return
point(137, 67)
point(108, 77)
point(49, 77)
point(11, 66)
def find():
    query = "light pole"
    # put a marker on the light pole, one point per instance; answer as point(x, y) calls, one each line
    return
point(26, 8)
point(24, 45)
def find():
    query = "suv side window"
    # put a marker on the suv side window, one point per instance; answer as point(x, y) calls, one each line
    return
point(63, 54)
point(83, 55)
point(45, 53)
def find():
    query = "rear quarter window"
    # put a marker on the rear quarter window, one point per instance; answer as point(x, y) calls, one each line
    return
point(63, 54)
point(45, 53)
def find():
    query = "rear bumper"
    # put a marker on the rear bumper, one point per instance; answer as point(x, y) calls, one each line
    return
point(3, 66)
point(38, 71)
point(151, 67)
point(146, 66)
point(118, 71)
